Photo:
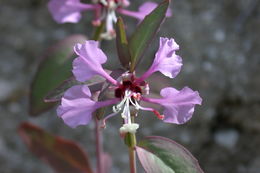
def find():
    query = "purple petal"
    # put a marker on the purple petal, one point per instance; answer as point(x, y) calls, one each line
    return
point(67, 10)
point(77, 107)
point(178, 105)
point(125, 3)
point(78, 91)
point(146, 8)
point(89, 62)
point(143, 10)
point(165, 61)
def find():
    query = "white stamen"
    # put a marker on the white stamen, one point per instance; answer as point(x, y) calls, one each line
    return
point(135, 104)
point(119, 106)
point(113, 16)
point(131, 128)
point(124, 3)
point(146, 89)
point(112, 5)
point(104, 2)
point(138, 106)
point(108, 35)
point(126, 113)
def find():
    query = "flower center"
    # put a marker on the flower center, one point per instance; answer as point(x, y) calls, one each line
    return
point(130, 93)
point(110, 4)
point(128, 83)
point(125, 107)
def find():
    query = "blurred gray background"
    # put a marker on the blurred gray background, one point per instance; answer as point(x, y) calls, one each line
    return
point(220, 46)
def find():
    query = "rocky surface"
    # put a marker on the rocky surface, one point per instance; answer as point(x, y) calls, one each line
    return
point(220, 47)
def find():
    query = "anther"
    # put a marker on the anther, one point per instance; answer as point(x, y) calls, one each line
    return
point(159, 116)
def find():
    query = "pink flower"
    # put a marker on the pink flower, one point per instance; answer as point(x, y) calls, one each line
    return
point(70, 11)
point(77, 105)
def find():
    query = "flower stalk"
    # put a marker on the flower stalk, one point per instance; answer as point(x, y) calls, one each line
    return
point(98, 137)
point(132, 159)
point(130, 141)
point(99, 146)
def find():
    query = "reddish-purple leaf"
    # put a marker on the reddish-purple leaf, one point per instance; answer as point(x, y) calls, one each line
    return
point(161, 155)
point(64, 156)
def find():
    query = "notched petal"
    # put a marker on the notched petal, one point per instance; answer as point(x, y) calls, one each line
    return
point(77, 106)
point(91, 52)
point(166, 61)
point(178, 105)
point(89, 62)
point(64, 11)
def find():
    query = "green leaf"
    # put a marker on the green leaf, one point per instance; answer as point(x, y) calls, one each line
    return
point(56, 94)
point(122, 43)
point(54, 68)
point(95, 84)
point(162, 155)
point(145, 32)
point(61, 154)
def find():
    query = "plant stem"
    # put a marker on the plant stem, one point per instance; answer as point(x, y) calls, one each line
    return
point(132, 159)
point(130, 141)
point(99, 147)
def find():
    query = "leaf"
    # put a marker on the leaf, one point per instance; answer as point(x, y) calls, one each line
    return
point(64, 156)
point(145, 32)
point(161, 155)
point(54, 68)
point(56, 94)
point(122, 43)
point(95, 84)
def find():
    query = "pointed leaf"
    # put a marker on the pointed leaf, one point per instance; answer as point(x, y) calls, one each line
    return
point(161, 155)
point(61, 154)
point(145, 32)
point(53, 70)
point(122, 43)
point(95, 84)
point(56, 94)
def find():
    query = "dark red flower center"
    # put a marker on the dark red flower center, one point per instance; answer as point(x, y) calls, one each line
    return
point(127, 85)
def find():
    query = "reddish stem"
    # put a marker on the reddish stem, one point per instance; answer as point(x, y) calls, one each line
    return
point(99, 147)
point(132, 160)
